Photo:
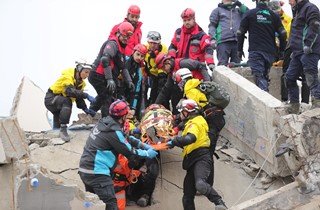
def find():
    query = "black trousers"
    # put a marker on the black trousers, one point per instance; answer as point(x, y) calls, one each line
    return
point(60, 106)
point(104, 98)
point(102, 186)
point(195, 180)
point(305, 90)
point(146, 182)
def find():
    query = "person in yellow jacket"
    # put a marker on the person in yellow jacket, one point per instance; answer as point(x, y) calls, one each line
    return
point(157, 77)
point(275, 6)
point(197, 160)
point(214, 115)
point(66, 90)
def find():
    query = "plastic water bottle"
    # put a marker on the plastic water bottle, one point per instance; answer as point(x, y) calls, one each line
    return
point(34, 182)
point(87, 204)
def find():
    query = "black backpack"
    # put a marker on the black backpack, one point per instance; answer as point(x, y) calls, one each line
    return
point(216, 94)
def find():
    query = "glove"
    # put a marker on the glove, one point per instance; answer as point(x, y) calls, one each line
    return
point(307, 50)
point(91, 98)
point(170, 144)
point(240, 54)
point(211, 67)
point(152, 153)
point(176, 130)
point(214, 44)
point(111, 85)
point(90, 112)
point(147, 146)
point(237, 3)
point(131, 87)
point(136, 131)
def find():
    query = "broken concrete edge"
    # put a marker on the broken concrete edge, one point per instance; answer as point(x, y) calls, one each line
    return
point(264, 197)
point(13, 141)
point(24, 184)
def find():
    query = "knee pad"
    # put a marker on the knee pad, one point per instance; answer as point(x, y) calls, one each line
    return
point(202, 187)
point(311, 79)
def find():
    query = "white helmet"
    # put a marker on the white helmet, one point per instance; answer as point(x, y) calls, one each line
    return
point(188, 105)
point(182, 74)
point(82, 64)
point(154, 36)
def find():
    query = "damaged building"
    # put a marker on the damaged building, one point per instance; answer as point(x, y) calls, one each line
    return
point(269, 159)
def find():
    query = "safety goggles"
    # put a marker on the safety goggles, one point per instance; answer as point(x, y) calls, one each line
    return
point(154, 36)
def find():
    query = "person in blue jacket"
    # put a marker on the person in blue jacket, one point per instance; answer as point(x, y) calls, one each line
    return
point(99, 158)
point(304, 42)
point(262, 25)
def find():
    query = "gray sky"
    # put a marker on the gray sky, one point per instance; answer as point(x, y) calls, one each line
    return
point(40, 38)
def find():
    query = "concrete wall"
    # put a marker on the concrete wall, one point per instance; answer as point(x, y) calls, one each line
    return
point(252, 120)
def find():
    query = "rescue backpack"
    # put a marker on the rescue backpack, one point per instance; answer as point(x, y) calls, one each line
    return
point(215, 93)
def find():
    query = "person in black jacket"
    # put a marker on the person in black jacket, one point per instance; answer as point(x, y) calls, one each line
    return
point(107, 67)
point(171, 90)
point(99, 158)
point(262, 25)
point(304, 42)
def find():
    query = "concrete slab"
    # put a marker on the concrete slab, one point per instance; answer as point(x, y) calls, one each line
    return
point(13, 141)
point(24, 110)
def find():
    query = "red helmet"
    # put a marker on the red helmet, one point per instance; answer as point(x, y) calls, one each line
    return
point(141, 48)
point(188, 14)
point(118, 108)
point(160, 59)
point(125, 28)
point(134, 9)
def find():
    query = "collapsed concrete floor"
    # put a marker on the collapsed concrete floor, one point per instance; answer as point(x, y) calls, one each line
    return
point(257, 125)
point(55, 164)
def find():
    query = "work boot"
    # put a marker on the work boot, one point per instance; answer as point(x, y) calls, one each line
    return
point(64, 133)
point(293, 107)
point(220, 205)
point(315, 103)
point(143, 200)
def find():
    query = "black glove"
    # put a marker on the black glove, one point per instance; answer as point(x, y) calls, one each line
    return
point(212, 67)
point(307, 50)
point(111, 85)
point(131, 87)
point(240, 54)
point(237, 3)
point(214, 44)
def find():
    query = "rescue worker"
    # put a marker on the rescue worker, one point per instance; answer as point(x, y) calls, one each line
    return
point(107, 68)
point(197, 160)
point(99, 158)
point(190, 41)
point(135, 64)
point(214, 115)
point(262, 25)
point(224, 23)
point(171, 91)
point(276, 7)
point(124, 177)
point(157, 77)
point(66, 90)
point(133, 16)
point(304, 42)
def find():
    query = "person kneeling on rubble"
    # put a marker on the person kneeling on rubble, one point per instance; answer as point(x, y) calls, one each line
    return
point(99, 158)
point(197, 160)
point(67, 89)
